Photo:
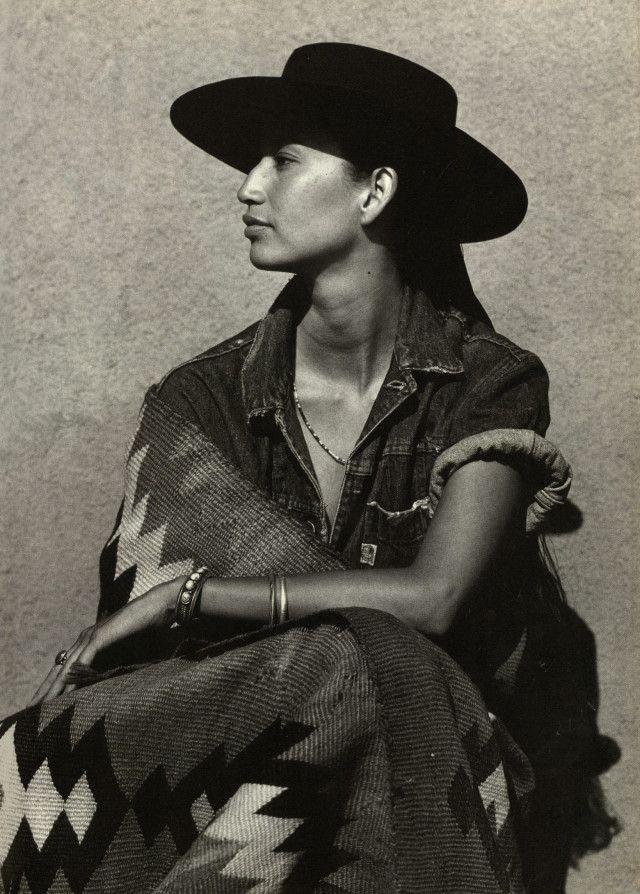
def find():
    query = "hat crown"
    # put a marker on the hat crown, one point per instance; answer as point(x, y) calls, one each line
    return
point(368, 71)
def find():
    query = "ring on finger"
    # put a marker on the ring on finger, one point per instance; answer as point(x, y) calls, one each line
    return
point(61, 657)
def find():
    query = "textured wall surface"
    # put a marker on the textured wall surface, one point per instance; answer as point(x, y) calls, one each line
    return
point(123, 254)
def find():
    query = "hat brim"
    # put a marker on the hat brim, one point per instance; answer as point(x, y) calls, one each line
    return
point(227, 119)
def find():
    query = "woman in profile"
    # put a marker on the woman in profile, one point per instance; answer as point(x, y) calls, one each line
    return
point(357, 476)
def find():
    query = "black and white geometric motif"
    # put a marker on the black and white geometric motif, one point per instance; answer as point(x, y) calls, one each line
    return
point(62, 807)
point(482, 801)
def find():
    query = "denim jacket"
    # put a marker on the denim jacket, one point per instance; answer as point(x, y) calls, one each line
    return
point(450, 377)
point(455, 391)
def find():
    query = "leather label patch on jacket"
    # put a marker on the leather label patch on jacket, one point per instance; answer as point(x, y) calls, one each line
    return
point(368, 553)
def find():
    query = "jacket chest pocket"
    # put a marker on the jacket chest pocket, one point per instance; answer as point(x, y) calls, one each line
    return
point(392, 539)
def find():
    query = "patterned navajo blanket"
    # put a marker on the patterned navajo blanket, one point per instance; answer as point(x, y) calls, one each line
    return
point(341, 753)
point(186, 504)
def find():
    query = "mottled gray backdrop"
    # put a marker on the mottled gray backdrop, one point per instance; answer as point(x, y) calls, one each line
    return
point(123, 254)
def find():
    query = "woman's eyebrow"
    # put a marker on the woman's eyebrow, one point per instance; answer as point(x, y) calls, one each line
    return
point(275, 146)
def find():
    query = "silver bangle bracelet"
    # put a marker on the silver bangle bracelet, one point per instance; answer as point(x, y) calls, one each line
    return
point(283, 602)
point(273, 602)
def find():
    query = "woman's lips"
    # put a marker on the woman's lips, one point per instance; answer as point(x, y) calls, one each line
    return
point(255, 229)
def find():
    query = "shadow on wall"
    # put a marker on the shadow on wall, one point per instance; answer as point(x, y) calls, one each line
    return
point(534, 660)
point(565, 519)
point(570, 815)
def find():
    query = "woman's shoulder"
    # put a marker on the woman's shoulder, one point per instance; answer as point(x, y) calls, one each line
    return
point(484, 351)
point(211, 380)
point(503, 385)
point(221, 357)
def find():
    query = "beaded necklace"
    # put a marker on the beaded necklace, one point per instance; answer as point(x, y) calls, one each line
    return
point(333, 455)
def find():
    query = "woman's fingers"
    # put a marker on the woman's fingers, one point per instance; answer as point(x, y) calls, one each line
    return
point(49, 680)
point(49, 687)
point(75, 652)
point(84, 650)
point(154, 609)
point(44, 686)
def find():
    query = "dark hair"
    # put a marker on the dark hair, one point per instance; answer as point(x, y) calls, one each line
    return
point(416, 218)
point(412, 228)
point(416, 223)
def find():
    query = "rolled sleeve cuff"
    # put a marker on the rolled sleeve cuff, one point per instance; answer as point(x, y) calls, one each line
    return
point(540, 461)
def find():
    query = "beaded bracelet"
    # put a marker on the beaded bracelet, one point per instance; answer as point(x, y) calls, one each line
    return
point(188, 596)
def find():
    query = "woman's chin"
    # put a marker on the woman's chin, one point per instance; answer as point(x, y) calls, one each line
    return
point(262, 261)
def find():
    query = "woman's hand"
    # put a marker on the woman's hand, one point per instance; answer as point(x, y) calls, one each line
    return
point(154, 609)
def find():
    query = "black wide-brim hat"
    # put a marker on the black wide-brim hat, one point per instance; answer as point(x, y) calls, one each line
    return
point(347, 86)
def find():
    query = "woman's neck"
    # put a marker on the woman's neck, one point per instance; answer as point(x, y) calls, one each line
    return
point(346, 337)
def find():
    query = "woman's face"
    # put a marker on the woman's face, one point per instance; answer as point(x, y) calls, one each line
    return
point(307, 205)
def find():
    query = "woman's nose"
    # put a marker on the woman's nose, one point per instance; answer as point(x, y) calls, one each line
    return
point(251, 191)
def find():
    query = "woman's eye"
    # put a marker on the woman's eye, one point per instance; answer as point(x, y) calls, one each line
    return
point(282, 160)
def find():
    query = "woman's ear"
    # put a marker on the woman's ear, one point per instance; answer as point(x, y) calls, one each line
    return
point(381, 188)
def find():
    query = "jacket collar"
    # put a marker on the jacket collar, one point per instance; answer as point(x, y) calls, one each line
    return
point(421, 344)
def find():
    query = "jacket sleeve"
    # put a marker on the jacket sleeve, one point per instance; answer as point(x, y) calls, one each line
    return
point(503, 417)
point(537, 459)
point(512, 392)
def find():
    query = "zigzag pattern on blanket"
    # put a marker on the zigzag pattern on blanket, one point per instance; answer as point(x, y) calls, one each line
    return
point(343, 752)
point(287, 780)
point(97, 779)
point(185, 504)
point(174, 473)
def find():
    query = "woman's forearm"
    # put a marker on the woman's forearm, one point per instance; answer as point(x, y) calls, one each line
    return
point(480, 513)
point(398, 591)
